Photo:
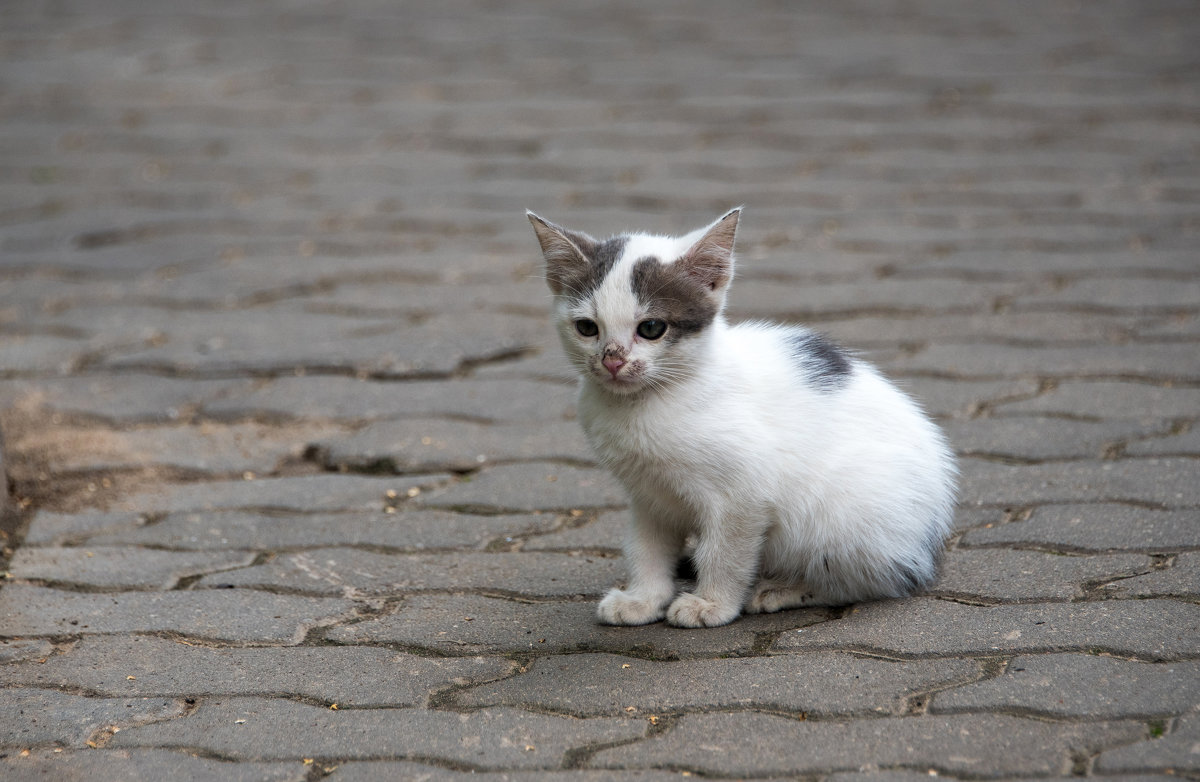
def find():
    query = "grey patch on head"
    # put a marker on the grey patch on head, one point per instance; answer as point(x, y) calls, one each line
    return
point(823, 362)
point(670, 294)
point(601, 257)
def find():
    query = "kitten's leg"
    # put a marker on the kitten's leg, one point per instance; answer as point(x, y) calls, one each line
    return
point(726, 562)
point(770, 596)
point(651, 552)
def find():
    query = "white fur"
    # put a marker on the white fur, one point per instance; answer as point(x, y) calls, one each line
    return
point(794, 493)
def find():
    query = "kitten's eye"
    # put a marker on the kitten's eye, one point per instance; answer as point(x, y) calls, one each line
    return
point(587, 328)
point(651, 329)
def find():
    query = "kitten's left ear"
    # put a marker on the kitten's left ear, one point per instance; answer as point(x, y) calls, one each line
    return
point(566, 252)
point(710, 258)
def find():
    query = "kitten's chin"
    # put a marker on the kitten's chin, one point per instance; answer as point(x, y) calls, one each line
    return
point(621, 386)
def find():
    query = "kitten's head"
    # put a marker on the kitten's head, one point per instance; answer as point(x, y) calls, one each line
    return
point(633, 310)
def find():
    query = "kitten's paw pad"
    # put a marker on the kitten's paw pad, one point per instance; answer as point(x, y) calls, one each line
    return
point(768, 599)
point(690, 610)
point(622, 608)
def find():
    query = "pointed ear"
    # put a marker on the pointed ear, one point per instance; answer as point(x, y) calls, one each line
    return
point(566, 252)
point(710, 258)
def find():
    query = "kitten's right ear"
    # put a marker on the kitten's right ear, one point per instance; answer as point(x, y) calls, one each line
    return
point(566, 252)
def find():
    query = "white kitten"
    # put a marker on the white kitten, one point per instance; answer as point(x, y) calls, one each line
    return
point(803, 476)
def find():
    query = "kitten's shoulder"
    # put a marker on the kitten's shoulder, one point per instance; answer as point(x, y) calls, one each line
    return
point(820, 361)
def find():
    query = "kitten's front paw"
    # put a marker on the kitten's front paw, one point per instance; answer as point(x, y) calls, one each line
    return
point(622, 608)
point(691, 610)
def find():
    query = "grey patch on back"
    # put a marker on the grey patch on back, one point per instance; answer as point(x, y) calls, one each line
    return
point(670, 294)
point(825, 364)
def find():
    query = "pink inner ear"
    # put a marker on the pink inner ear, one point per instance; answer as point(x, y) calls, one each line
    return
point(710, 260)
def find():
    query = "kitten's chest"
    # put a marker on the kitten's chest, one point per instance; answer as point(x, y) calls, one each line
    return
point(651, 437)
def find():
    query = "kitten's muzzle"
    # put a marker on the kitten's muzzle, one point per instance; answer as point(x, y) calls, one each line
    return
point(613, 364)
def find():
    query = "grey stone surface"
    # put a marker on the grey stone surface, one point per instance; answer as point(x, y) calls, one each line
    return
point(233, 615)
point(1080, 685)
point(251, 259)
point(832, 683)
point(367, 771)
point(1151, 629)
point(350, 399)
point(755, 744)
point(146, 666)
point(120, 567)
point(334, 571)
point(304, 494)
point(91, 764)
point(1029, 576)
point(1110, 399)
point(247, 729)
point(36, 717)
point(532, 486)
point(475, 624)
point(1173, 753)
point(1038, 438)
point(1181, 579)
point(428, 445)
point(206, 447)
point(408, 529)
point(1159, 482)
point(1094, 527)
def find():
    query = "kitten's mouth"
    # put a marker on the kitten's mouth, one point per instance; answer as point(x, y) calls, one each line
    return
point(623, 382)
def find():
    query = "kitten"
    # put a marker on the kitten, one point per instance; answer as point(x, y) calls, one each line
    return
point(802, 475)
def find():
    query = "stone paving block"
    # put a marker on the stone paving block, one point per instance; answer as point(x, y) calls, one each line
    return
point(960, 398)
point(233, 615)
point(1080, 685)
point(756, 744)
point(1096, 527)
point(427, 445)
point(121, 398)
point(1167, 482)
point(768, 299)
point(862, 330)
point(1185, 444)
point(1148, 629)
point(333, 571)
point(1124, 294)
point(1029, 576)
point(411, 529)
point(1037, 438)
point(302, 493)
point(204, 447)
point(36, 717)
point(1173, 753)
point(247, 729)
point(474, 624)
point(144, 666)
point(315, 342)
point(92, 764)
point(1181, 579)
point(376, 770)
point(531, 486)
point(1110, 399)
point(15, 651)
point(606, 532)
point(350, 399)
point(122, 567)
point(1149, 361)
point(823, 683)
point(48, 527)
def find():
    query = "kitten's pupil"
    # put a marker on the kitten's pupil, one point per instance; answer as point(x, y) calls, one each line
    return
point(651, 329)
point(587, 328)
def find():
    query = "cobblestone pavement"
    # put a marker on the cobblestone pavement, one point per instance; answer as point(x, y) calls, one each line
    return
point(300, 491)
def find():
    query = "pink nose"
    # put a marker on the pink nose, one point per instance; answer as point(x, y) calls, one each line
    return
point(613, 365)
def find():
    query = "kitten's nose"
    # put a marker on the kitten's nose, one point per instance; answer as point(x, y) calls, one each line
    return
point(612, 364)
